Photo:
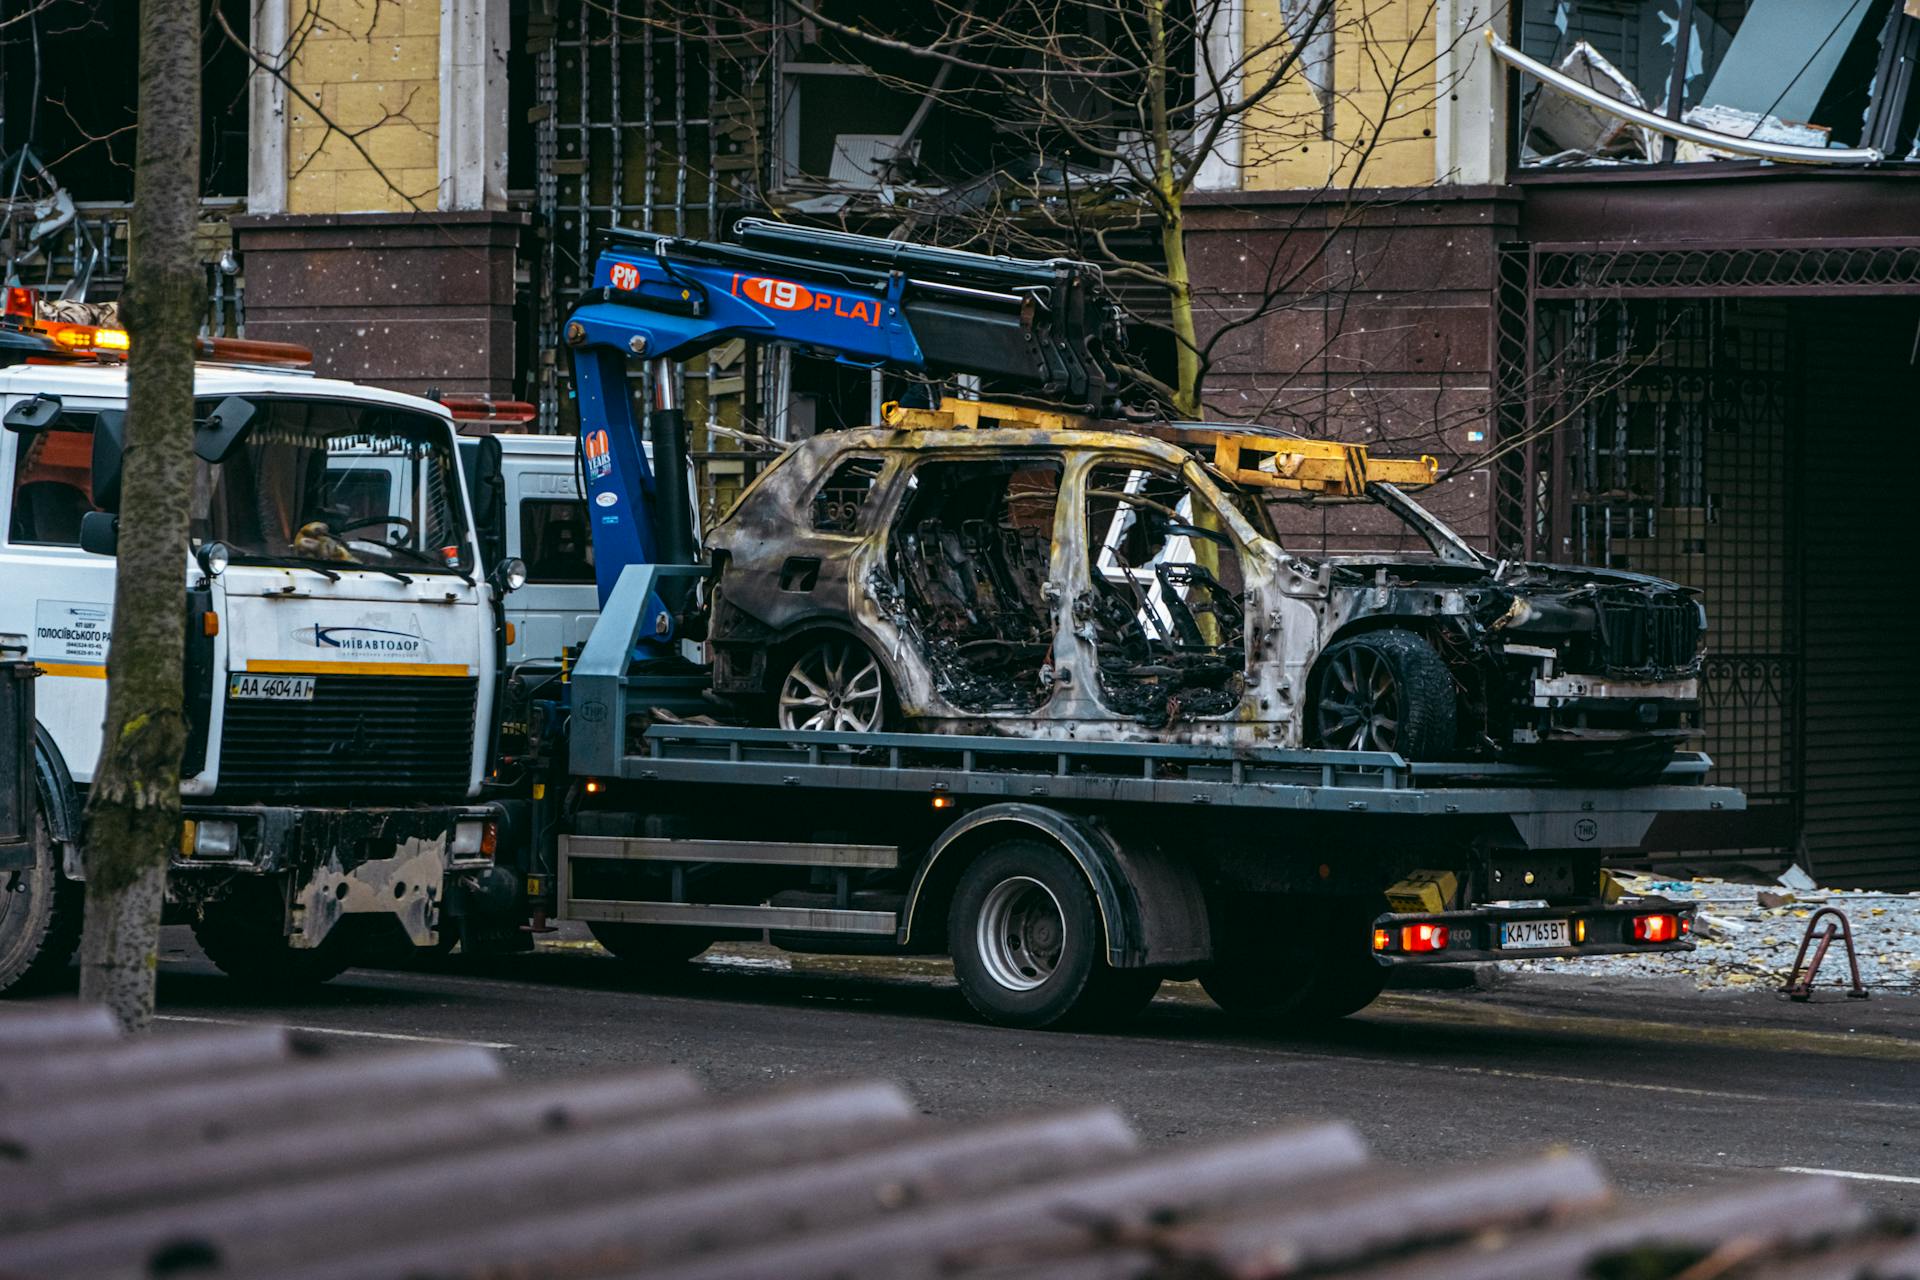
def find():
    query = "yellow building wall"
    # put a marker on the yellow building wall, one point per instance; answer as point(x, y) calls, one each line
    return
point(372, 67)
point(1383, 108)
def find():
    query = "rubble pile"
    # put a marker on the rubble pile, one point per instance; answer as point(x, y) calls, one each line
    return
point(1747, 935)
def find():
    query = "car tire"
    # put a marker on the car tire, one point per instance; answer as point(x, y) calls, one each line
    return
point(40, 917)
point(1027, 943)
point(832, 683)
point(1384, 691)
point(649, 946)
point(245, 943)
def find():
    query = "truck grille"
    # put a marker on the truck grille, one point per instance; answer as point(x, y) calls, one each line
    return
point(360, 735)
point(1648, 637)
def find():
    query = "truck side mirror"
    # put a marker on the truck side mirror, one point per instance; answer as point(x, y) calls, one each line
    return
point(490, 499)
point(109, 447)
point(214, 438)
point(33, 413)
point(100, 533)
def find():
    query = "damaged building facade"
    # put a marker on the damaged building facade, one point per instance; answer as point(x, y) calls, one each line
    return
point(1650, 352)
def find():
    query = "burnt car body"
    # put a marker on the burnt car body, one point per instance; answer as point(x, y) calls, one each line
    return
point(1093, 583)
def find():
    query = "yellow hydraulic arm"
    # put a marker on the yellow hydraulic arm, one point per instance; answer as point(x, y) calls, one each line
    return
point(1244, 457)
point(1287, 462)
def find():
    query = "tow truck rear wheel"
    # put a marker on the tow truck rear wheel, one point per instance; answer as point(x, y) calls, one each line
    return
point(1027, 944)
point(1293, 960)
point(246, 943)
point(40, 915)
point(649, 946)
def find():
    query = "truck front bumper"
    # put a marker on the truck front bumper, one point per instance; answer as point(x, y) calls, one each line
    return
point(1476, 934)
point(401, 861)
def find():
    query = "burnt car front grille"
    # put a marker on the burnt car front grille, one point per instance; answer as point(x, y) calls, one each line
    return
point(360, 735)
point(1648, 637)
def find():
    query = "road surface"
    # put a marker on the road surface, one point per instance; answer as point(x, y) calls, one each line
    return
point(1671, 1088)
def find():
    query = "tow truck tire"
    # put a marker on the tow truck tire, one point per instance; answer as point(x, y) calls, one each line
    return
point(40, 917)
point(1384, 691)
point(649, 946)
point(1320, 971)
point(247, 946)
point(1027, 945)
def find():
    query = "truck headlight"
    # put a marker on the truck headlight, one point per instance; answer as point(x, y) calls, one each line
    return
point(216, 839)
point(473, 838)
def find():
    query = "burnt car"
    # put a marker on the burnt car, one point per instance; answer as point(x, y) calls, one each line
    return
point(1117, 584)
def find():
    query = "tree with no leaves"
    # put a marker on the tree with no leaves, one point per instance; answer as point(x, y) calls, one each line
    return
point(1046, 127)
point(133, 809)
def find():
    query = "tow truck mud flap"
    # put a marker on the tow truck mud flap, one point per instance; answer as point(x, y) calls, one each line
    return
point(406, 886)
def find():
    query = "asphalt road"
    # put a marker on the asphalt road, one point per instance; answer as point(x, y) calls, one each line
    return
point(1671, 1088)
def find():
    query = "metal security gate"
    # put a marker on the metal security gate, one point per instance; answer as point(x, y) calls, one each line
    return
point(647, 117)
point(1656, 416)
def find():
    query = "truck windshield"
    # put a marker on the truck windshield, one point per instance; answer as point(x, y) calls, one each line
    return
point(330, 481)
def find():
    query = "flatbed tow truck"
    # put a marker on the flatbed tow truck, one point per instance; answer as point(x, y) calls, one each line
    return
point(1066, 875)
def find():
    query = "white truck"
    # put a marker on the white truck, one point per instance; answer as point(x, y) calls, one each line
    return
point(344, 645)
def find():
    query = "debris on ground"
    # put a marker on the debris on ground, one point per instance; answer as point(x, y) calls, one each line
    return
point(1746, 936)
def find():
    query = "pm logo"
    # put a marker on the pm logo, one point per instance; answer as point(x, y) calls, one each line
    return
point(625, 276)
point(366, 639)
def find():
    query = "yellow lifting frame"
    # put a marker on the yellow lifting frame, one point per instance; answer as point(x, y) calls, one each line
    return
point(1248, 458)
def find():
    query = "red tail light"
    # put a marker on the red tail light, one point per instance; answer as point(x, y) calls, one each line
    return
point(1423, 937)
point(1660, 928)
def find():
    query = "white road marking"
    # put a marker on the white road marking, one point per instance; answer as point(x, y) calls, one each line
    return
point(334, 1031)
point(1852, 1173)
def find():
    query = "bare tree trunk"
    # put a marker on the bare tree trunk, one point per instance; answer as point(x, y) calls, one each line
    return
point(133, 811)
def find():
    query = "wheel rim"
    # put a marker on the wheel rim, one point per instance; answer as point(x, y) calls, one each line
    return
point(1359, 702)
point(835, 685)
point(1021, 933)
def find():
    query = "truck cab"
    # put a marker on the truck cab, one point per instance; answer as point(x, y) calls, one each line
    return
point(544, 525)
point(341, 652)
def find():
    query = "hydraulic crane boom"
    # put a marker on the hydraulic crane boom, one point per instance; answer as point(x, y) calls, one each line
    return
point(1041, 329)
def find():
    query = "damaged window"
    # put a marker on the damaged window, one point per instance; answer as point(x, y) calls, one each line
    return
point(970, 553)
point(837, 507)
point(1807, 73)
point(1168, 597)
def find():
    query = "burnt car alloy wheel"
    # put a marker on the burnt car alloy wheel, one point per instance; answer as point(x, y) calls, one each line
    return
point(834, 684)
point(1385, 691)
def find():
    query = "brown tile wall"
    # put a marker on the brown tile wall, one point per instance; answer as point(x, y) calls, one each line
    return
point(1379, 328)
point(401, 300)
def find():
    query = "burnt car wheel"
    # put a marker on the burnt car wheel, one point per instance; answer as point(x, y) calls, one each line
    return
point(1384, 691)
point(833, 684)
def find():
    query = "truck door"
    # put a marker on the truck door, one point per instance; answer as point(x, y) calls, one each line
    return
point(547, 528)
point(58, 596)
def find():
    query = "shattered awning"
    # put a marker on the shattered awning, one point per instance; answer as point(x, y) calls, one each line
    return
point(1794, 81)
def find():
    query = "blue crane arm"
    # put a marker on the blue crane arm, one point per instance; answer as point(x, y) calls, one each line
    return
point(1045, 329)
